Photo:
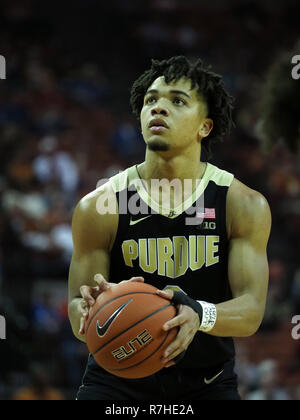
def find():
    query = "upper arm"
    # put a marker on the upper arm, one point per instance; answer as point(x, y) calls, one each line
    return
point(250, 225)
point(93, 237)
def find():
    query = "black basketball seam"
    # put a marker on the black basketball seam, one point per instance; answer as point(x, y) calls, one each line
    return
point(111, 300)
point(136, 323)
point(129, 367)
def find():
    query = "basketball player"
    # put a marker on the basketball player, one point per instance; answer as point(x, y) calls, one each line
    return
point(215, 271)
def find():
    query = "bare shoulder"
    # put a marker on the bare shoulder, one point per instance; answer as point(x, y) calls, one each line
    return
point(94, 202)
point(95, 218)
point(247, 211)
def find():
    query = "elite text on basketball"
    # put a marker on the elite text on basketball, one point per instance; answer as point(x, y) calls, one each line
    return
point(134, 345)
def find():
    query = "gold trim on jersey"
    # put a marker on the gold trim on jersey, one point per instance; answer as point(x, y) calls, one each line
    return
point(130, 177)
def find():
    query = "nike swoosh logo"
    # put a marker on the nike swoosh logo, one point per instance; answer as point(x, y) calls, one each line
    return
point(134, 222)
point(209, 381)
point(102, 329)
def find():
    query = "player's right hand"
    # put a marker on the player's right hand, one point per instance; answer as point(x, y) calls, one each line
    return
point(90, 294)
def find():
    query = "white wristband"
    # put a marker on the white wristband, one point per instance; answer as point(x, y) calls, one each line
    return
point(209, 316)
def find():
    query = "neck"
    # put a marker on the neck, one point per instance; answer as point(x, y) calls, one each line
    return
point(161, 165)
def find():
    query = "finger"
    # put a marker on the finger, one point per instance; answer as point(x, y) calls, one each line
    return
point(95, 291)
point(81, 328)
point(84, 309)
point(136, 279)
point(177, 349)
point(167, 294)
point(181, 343)
point(170, 364)
point(176, 352)
point(82, 324)
point(101, 282)
point(178, 321)
point(169, 360)
point(85, 292)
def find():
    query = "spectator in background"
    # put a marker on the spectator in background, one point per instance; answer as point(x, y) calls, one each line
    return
point(87, 85)
point(280, 104)
point(295, 292)
point(278, 307)
point(53, 165)
point(269, 389)
point(46, 319)
point(39, 386)
point(246, 371)
point(127, 141)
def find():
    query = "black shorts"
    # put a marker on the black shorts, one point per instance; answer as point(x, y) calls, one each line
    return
point(170, 384)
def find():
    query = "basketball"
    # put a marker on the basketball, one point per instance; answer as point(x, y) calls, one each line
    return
point(124, 330)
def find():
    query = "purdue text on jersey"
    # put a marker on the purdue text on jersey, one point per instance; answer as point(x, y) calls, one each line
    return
point(172, 257)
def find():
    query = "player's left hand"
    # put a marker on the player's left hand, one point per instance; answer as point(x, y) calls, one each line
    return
point(188, 322)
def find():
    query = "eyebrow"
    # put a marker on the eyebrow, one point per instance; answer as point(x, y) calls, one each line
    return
point(176, 92)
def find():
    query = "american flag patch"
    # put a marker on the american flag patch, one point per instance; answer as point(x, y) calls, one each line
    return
point(208, 214)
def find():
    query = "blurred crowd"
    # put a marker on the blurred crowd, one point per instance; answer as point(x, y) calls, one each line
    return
point(65, 123)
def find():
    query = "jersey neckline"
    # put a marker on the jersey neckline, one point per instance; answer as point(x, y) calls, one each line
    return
point(169, 212)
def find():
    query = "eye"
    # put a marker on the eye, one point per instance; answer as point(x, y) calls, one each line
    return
point(150, 100)
point(178, 101)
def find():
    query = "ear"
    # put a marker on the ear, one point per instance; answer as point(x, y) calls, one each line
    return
point(205, 128)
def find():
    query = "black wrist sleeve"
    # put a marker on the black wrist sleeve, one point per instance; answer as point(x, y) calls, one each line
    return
point(181, 298)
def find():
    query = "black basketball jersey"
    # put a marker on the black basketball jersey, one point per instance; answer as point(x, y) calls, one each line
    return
point(185, 248)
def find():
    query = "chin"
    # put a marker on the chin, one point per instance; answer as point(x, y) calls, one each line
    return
point(158, 146)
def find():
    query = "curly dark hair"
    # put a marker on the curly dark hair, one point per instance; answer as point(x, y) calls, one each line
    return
point(280, 105)
point(210, 85)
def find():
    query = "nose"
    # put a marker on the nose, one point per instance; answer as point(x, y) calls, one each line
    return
point(159, 110)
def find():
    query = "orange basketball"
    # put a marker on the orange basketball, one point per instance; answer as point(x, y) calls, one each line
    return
point(124, 330)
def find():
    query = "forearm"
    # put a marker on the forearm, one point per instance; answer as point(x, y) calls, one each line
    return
point(74, 317)
point(239, 317)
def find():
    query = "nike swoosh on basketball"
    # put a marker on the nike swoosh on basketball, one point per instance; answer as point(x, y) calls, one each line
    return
point(209, 381)
point(134, 222)
point(102, 329)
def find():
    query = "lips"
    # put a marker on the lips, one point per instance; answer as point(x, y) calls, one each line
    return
point(158, 124)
